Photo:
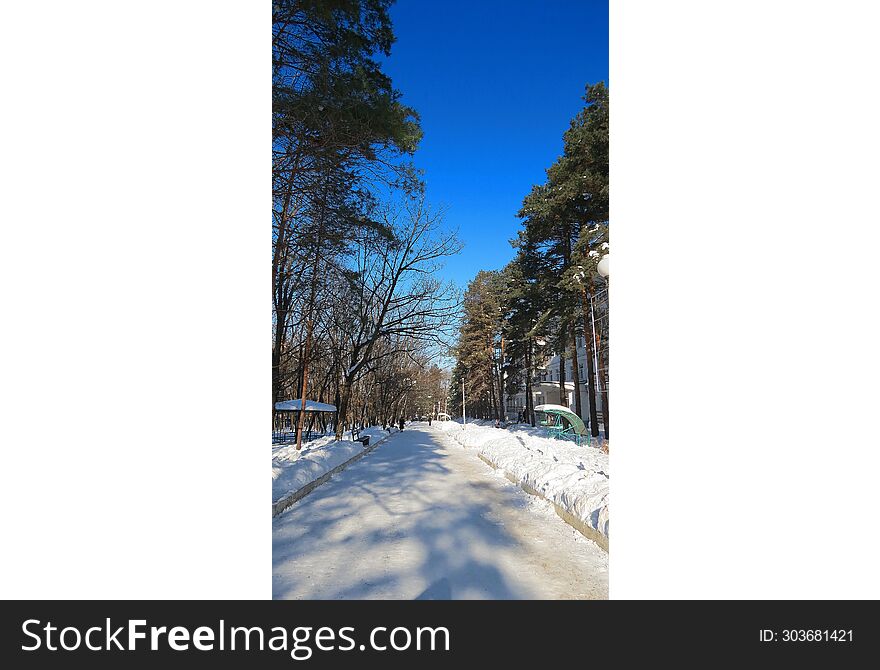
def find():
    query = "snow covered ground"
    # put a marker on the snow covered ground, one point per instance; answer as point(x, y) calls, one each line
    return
point(573, 477)
point(422, 518)
point(292, 469)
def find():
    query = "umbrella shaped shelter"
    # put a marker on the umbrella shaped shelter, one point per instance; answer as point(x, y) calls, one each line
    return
point(562, 423)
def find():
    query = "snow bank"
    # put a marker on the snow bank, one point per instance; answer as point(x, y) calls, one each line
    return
point(572, 477)
point(292, 469)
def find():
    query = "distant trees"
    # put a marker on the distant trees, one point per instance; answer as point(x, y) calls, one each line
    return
point(480, 347)
point(343, 259)
point(549, 289)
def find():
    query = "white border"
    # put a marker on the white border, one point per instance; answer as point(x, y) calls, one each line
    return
point(134, 170)
point(135, 176)
point(745, 334)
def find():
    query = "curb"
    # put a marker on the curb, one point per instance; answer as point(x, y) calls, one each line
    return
point(587, 531)
point(283, 503)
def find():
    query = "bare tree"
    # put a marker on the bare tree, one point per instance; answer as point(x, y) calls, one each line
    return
point(395, 295)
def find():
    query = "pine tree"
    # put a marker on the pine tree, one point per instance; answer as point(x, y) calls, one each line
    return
point(566, 224)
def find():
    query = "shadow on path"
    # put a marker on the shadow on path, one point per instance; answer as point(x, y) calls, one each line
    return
point(400, 523)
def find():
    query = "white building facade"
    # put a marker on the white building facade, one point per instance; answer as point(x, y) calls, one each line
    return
point(546, 387)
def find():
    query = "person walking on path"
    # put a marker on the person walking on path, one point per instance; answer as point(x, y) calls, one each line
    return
point(429, 419)
point(401, 423)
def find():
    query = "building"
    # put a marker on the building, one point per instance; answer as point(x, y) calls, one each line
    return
point(546, 387)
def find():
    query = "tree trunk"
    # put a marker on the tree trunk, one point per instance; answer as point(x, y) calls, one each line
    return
point(603, 365)
point(591, 386)
point(502, 409)
point(278, 255)
point(575, 371)
point(530, 401)
point(310, 313)
point(305, 384)
point(310, 309)
point(493, 399)
point(277, 344)
point(342, 408)
point(563, 396)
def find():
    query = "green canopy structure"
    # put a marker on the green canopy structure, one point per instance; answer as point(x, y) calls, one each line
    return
point(562, 423)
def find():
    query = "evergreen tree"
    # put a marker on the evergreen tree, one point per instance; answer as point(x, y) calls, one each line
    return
point(477, 351)
point(566, 226)
point(524, 307)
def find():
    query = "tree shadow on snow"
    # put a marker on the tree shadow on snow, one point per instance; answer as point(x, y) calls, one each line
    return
point(404, 542)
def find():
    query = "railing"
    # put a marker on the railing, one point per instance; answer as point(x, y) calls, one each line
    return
point(289, 436)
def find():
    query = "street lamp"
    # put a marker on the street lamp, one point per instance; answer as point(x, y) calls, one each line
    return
point(602, 268)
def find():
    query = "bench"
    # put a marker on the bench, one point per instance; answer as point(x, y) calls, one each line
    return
point(355, 437)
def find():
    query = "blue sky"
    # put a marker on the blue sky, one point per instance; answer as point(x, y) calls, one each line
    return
point(496, 84)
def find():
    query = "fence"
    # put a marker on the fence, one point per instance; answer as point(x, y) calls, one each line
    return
point(289, 436)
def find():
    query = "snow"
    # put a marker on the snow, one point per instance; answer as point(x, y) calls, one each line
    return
point(549, 407)
point(571, 476)
point(311, 406)
point(422, 518)
point(292, 469)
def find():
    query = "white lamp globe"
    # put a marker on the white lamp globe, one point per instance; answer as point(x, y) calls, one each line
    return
point(602, 268)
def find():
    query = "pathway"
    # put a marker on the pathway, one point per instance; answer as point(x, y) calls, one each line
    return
point(423, 518)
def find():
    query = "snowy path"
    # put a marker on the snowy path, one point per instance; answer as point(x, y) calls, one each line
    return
point(421, 517)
